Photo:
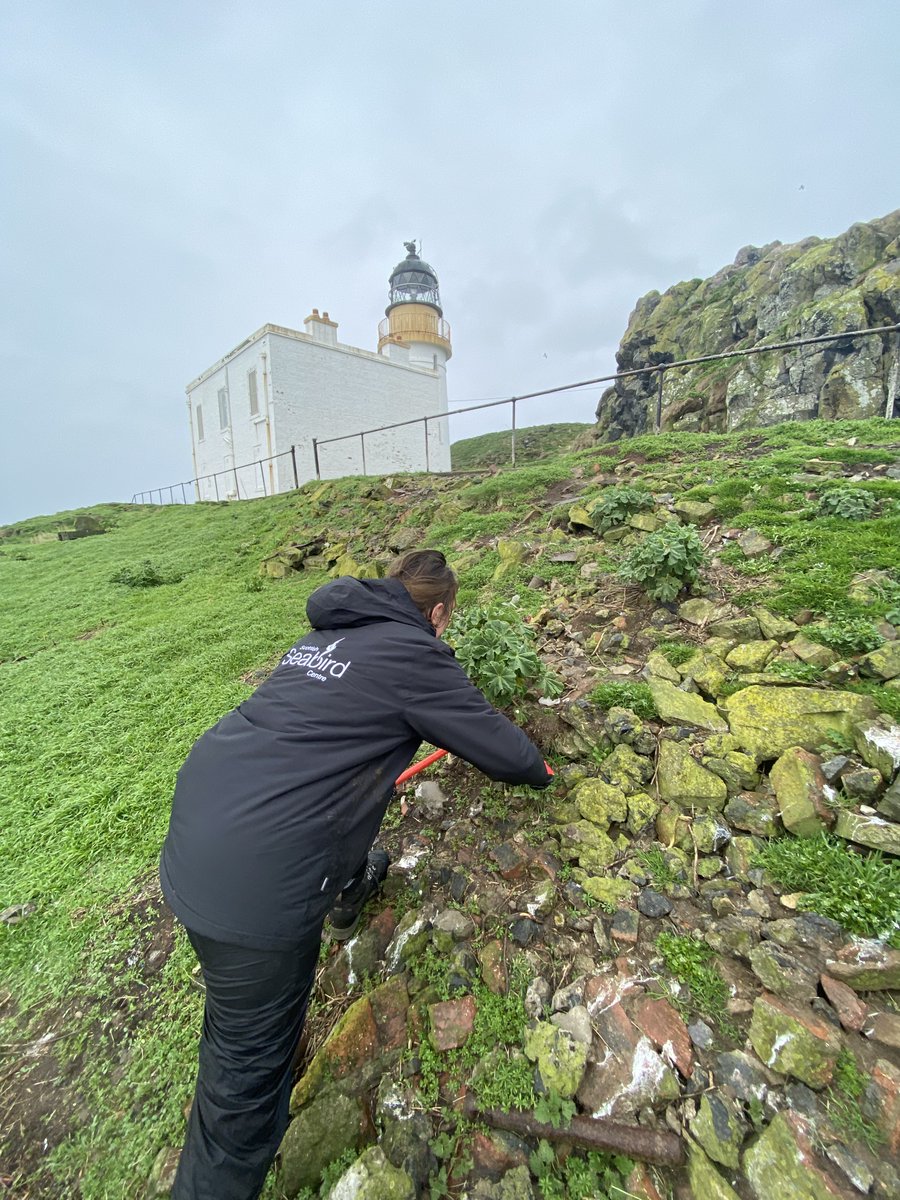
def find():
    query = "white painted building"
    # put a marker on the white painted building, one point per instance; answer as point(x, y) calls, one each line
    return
point(281, 388)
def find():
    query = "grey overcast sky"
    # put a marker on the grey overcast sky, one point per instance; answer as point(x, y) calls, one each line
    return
point(177, 174)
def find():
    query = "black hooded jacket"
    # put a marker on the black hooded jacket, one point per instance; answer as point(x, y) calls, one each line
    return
point(277, 805)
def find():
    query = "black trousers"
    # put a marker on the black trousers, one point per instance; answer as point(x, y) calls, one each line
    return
point(256, 1004)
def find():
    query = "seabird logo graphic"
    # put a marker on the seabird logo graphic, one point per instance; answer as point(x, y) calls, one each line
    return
point(318, 662)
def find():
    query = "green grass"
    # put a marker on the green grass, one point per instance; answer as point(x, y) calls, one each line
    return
point(859, 891)
point(532, 442)
point(657, 866)
point(842, 1103)
point(634, 696)
point(92, 733)
point(690, 962)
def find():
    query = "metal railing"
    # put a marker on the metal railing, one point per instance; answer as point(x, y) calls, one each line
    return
point(658, 369)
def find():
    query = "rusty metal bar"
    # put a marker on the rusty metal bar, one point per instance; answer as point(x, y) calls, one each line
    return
point(237, 486)
point(262, 475)
point(315, 445)
point(216, 483)
point(362, 442)
point(512, 440)
point(427, 459)
point(591, 1133)
point(294, 464)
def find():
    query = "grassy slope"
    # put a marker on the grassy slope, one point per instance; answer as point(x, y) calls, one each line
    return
point(92, 731)
point(532, 443)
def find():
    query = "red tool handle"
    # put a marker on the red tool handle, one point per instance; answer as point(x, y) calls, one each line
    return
point(419, 766)
point(432, 758)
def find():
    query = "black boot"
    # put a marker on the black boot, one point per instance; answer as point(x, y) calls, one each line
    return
point(346, 914)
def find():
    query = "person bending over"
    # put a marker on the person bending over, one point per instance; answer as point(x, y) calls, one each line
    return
point(273, 815)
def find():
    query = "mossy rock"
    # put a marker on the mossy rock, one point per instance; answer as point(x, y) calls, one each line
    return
point(768, 720)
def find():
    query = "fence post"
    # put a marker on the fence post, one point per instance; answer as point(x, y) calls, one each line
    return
point(427, 457)
point(183, 495)
point(362, 442)
point(512, 445)
point(294, 464)
point(316, 458)
point(262, 475)
point(659, 400)
point(237, 486)
point(216, 484)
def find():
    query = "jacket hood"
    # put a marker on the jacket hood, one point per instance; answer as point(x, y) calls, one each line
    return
point(348, 602)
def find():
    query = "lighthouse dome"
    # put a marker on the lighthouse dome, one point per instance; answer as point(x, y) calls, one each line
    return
point(414, 281)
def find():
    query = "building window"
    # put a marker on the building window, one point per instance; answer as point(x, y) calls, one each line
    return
point(224, 416)
point(199, 423)
point(251, 388)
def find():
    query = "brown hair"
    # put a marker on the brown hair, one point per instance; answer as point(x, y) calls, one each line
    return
point(427, 578)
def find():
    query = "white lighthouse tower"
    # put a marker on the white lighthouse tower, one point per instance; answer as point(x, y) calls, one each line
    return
point(414, 318)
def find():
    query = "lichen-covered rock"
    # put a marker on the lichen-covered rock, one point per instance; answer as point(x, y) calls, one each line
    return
point(784, 972)
point(767, 720)
point(586, 843)
point(626, 769)
point(782, 1163)
point(808, 288)
point(695, 512)
point(560, 1059)
point(737, 771)
point(685, 708)
point(792, 1040)
point(373, 1177)
point(779, 629)
point(874, 832)
point(332, 1124)
point(879, 745)
point(719, 1130)
point(601, 803)
point(700, 612)
point(705, 1180)
point(754, 812)
point(683, 781)
point(708, 671)
point(802, 793)
point(751, 656)
point(352, 1042)
point(642, 811)
point(738, 629)
point(814, 654)
point(883, 663)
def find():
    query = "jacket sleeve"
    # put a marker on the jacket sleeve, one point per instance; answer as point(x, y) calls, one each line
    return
point(445, 708)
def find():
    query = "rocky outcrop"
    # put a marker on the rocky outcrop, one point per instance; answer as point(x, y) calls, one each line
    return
point(768, 295)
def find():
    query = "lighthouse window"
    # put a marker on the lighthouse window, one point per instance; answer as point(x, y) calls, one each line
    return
point(224, 416)
point(199, 423)
point(251, 388)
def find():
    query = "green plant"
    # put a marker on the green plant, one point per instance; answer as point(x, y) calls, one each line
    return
point(860, 891)
point(616, 504)
point(664, 562)
point(842, 1102)
point(145, 575)
point(690, 962)
point(335, 1170)
point(795, 672)
point(885, 699)
point(846, 634)
point(657, 866)
point(595, 1176)
point(554, 1109)
point(677, 653)
point(852, 504)
point(495, 647)
point(634, 696)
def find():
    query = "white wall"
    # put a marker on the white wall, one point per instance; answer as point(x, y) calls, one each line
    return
point(245, 440)
point(326, 391)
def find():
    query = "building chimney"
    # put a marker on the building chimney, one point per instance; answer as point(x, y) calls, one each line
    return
point(321, 328)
